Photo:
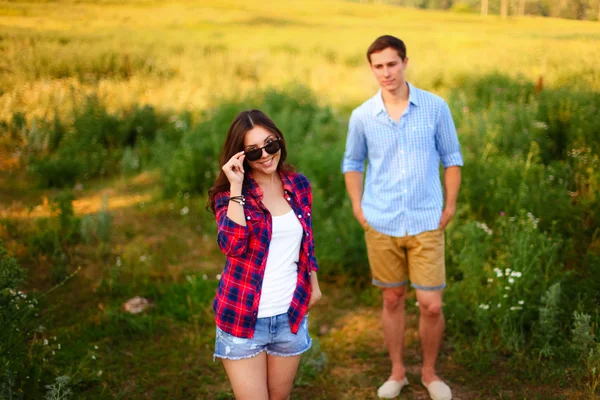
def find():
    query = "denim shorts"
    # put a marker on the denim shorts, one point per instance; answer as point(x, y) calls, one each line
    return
point(272, 334)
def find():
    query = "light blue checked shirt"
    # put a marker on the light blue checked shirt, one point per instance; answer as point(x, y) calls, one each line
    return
point(403, 192)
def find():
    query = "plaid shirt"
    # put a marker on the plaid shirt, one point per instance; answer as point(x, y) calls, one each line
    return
point(247, 249)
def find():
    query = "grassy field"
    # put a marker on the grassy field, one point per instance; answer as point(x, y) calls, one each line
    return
point(112, 115)
point(188, 55)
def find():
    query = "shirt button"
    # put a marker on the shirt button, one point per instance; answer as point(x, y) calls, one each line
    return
point(299, 216)
point(288, 199)
point(248, 218)
point(309, 214)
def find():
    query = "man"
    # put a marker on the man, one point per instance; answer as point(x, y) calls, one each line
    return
point(404, 132)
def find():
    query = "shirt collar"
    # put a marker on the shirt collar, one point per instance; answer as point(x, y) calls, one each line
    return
point(379, 105)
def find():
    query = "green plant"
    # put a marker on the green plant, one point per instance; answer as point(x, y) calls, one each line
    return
point(59, 390)
point(549, 327)
point(18, 319)
point(97, 226)
point(588, 349)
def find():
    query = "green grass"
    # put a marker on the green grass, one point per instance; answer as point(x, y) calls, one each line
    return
point(124, 107)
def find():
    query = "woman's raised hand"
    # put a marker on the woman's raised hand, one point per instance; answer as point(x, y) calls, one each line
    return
point(234, 169)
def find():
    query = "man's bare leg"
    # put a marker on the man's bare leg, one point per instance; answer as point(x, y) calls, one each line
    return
point(393, 329)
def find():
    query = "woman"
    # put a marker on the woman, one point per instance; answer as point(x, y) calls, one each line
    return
point(263, 213)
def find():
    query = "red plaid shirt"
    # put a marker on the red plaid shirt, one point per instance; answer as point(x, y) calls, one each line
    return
point(247, 249)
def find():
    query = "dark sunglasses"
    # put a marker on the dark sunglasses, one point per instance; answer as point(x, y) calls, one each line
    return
point(271, 148)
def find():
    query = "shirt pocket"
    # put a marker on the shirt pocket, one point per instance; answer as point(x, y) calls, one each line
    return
point(422, 136)
point(255, 221)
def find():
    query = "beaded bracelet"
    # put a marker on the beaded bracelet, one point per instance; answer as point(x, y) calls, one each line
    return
point(238, 199)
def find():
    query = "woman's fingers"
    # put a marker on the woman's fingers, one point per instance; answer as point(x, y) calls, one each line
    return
point(234, 168)
point(239, 164)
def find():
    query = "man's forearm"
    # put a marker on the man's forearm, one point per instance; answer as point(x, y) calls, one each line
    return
point(451, 185)
point(354, 186)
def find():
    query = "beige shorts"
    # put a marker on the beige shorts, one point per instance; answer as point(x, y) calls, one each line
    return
point(396, 260)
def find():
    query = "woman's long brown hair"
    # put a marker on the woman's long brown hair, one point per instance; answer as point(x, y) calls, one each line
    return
point(234, 143)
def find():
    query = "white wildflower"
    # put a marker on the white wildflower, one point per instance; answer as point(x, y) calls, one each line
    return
point(184, 211)
point(534, 221)
point(218, 276)
point(521, 302)
point(483, 226)
point(511, 280)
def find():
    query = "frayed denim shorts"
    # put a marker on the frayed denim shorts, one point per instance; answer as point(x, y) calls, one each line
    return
point(272, 334)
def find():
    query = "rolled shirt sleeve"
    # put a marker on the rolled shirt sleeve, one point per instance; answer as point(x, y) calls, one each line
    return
point(446, 139)
point(232, 237)
point(356, 146)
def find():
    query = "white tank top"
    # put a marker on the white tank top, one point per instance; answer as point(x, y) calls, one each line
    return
point(281, 271)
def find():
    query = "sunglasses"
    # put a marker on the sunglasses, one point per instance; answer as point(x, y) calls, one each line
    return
point(271, 148)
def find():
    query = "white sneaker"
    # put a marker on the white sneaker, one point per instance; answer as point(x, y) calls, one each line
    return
point(438, 390)
point(391, 389)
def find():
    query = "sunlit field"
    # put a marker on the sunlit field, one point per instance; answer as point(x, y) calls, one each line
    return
point(112, 117)
point(190, 55)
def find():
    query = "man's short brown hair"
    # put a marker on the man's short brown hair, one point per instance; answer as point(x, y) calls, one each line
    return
point(385, 41)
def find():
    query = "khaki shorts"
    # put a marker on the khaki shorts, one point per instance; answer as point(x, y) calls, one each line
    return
point(396, 260)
